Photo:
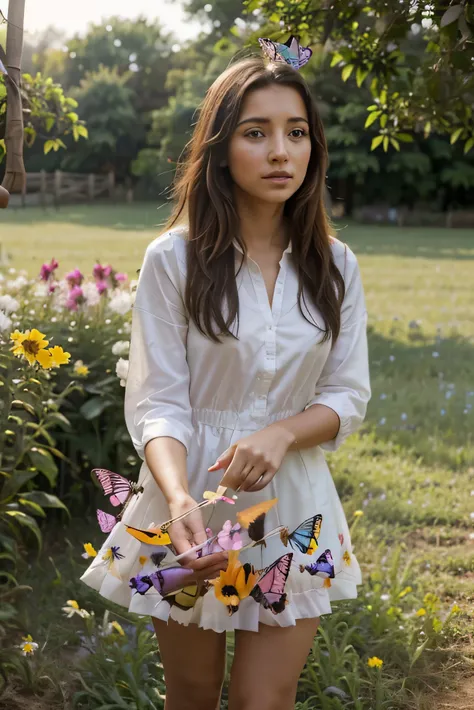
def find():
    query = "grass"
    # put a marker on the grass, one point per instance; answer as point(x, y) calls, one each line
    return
point(411, 471)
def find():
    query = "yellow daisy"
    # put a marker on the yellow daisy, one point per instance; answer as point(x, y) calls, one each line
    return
point(58, 356)
point(28, 647)
point(80, 369)
point(235, 583)
point(28, 344)
point(421, 612)
point(90, 551)
point(375, 662)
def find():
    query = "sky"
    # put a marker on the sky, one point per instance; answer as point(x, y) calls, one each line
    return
point(75, 16)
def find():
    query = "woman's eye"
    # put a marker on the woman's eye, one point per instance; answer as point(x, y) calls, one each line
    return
point(300, 131)
point(251, 134)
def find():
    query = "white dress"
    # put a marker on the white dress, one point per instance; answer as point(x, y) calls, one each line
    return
point(209, 395)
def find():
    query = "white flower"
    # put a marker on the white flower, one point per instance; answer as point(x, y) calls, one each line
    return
point(127, 327)
point(5, 322)
point(28, 646)
point(121, 369)
point(17, 283)
point(8, 304)
point(121, 347)
point(73, 608)
point(91, 293)
point(41, 290)
point(120, 302)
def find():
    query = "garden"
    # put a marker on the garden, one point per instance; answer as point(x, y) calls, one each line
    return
point(406, 480)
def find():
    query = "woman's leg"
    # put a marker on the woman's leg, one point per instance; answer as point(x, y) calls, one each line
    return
point(194, 665)
point(268, 664)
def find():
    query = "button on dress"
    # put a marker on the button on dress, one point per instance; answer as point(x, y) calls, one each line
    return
point(209, 395)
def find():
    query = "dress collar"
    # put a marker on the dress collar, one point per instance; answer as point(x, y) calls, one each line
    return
point(238, 247)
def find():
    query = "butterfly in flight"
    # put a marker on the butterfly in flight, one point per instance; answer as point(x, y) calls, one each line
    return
point(305, 537)
point(270, 589)
point(253, 519)
point(118, 488)
point(152, 536)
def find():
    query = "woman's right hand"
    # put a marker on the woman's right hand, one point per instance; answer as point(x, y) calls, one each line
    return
point(188, 532)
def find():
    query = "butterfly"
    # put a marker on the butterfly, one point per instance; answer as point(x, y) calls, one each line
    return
point(270, 589)
point(166, 581)
point(323, 567)
point(215, 497)
point(290, 52)
point(116, 486)
point(107, 522)
point(229, 537)
point(253, 519)
point(305, 537)
point(187, 597)
point(153, 536)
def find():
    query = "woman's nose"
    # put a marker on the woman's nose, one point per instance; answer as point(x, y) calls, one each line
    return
point(278, 151)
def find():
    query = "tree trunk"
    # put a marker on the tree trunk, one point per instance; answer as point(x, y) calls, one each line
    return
point(15, 176)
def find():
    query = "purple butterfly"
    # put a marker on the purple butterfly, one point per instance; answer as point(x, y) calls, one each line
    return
point(291, 52)
point(116, 486)
point(171, 579)
point(323, 567)
point(142, 583)
point(107, 522)
point(270, 589)
point(229, 537)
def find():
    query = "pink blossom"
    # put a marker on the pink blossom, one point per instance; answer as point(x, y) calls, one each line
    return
point(74, 278)
point(101, 286)
point(75, 298)
point(121, 276)
point(100, 272)
point(47, 270)
point(52, 287)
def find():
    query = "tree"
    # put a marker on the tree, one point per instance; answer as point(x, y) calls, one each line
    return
point(417, 56)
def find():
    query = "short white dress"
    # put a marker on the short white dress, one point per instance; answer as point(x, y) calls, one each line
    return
point(209, 395)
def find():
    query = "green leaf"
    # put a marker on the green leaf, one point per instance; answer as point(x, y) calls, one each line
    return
point(82, 131)
point(456, 134)
point(45, 500)
point(376, 142)
point(72, 116)
point(94, 407)
point(48, 146)
point(427, 129)
point(27, 521)
point(49, 123)
point(383, 120)
point(274, 17)
point(383, 97)
point(60, 419)
point(347, 71)
point(469, 144)
point(371, 118)
point(44, 462)
point(336, 58)
point(405, 137)
point(16, 480)
point(35, 508)
point(385, 143)
point(360, 76)
point(451, 15)
point(395, 143)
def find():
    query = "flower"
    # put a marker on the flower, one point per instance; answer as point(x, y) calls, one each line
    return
point(80, 369)
point(100, 272)
point(74, 278)
point(375, 662)
point(73, 608)
point(8, 304)
point(29, 344)
point(75, 298)
point(121, 370)
point(405, 591)
point(120, 302)
point(58, 356)
point(421, 612)
point(5, 322)
point(90, 293)
point(347, 558)
point(455, 609)
point(120, 277)
point(115, 625)
point(28, 647)
point(235, 582)
point(89, 551)
point(101, 287)
point(121, 347)
point(358, 513)
point(48, 269)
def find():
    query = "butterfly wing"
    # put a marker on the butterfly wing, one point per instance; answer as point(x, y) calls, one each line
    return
point(305, 537)
point(171, 579)
point(141, 583)
point(323, 567)
point(270, 589)
point(269, 49)
point(106, 521)
point(114, 485)
point(249, 515)
point(151, 537)
point(305, 54)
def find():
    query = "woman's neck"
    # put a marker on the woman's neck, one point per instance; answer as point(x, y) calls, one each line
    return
point(262, 225)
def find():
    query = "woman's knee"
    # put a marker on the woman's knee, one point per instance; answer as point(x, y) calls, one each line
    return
point(189, 694)
point(277, 697)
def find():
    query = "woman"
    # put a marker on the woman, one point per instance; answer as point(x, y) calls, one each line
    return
point(248, 359)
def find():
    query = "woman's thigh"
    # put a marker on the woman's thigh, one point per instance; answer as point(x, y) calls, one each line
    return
point(194, 665)
point(267, 665)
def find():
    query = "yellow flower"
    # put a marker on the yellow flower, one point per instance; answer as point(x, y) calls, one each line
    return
point(455, 609)
point(235, 583)
point(28, 647)
point(347, 558)
point(89, 550)
point(73, 603)
point(117, 627)
point(58, 356)
point(358, 513)
point(28, 344)
point(327, 583)
point(73, 608)
point(375, 662)
point(431, 601)
point(80, 369)
point(405, 591)
point(421, 612)
point(142, 559)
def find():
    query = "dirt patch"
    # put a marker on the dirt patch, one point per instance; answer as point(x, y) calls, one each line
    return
point(460, 699)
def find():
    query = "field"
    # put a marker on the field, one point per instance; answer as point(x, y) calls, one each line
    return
point(410, 472)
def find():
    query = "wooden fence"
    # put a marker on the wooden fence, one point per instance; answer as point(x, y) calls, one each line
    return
point(60, 187)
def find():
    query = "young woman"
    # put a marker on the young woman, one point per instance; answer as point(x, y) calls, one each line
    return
point(248, 360)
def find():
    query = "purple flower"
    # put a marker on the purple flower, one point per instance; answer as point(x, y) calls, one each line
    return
point(121, 277)
point(101, 286)
point(100, 272)
point(75, 298)
point(47, 270)
point(74, 278)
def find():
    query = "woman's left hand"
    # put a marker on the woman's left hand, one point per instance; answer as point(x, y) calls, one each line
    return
point(251, 462)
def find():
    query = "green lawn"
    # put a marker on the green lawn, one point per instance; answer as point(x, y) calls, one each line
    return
point(411, 471)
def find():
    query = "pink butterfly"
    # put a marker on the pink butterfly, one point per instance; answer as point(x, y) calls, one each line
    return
point(270, 589)
point(116, 486)
point(341, 538)
point(229, 537)
point(107, 522)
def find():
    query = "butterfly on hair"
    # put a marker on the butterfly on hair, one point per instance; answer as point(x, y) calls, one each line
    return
point(290, 52)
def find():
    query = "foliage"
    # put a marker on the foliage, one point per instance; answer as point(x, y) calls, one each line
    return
point(49, 114)
point(417, 59)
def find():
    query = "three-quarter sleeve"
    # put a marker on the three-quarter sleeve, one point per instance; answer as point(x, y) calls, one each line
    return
point(344, 383)
point(157, 390)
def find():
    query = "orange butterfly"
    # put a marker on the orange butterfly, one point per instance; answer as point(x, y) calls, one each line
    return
point(253, 519)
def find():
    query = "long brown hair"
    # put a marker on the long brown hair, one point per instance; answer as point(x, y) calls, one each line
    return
point(203, 192)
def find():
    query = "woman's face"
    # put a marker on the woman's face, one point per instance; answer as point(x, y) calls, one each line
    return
point(272, 136)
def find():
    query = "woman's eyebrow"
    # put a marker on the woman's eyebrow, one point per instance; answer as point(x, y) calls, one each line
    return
point(261, 119)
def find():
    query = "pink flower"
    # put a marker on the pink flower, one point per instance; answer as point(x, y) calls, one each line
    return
point(74, 278)
point(100, 272)
point(52, 287)
point(75, 298)
point(121, 277)
point(101, 286)
point(47, 270)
